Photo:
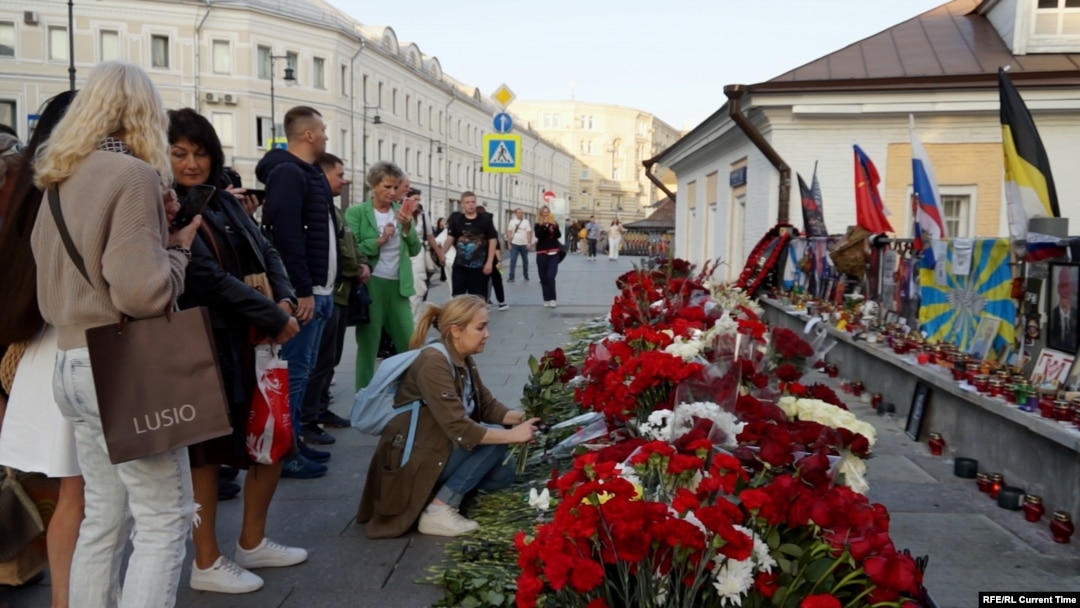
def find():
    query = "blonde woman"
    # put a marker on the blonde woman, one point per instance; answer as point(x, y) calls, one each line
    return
point(614, 239)
point(462, 432)
point(108, 157)
point(547, 254)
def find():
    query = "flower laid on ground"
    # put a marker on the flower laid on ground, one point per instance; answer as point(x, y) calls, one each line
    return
point(541, 501)
point(815, 410)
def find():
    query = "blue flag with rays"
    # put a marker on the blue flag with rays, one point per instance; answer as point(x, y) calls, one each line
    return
point(952, 311)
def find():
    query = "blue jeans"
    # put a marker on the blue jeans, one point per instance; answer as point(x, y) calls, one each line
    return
point(154, 491)
point(548, 267)
point(479, 469)
point(302, 352)
point(523, 251)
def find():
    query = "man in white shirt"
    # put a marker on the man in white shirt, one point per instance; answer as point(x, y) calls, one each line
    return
point(519, 234)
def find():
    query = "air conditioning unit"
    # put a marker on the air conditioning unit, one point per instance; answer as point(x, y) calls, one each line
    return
point(211, 97)
point(230, 98)
point(30, 17)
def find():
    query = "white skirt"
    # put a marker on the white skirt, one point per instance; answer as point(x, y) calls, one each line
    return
point(35, 437)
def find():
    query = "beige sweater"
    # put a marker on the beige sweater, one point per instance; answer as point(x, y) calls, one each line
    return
point(113, 208)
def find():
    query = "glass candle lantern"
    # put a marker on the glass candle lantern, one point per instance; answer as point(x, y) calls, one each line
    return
point(996, 481)
point(875, 400)
point(1062, 527)
point(982, 383)
point(937, 444)
point(983, 481)
point(1062, 410)
point(1033, 507)
point(832, 370)
point(857, 388)
point(1046, 405)
point(994, 387)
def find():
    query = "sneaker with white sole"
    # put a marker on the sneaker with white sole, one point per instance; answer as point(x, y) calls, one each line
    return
point(554, 304)
point(504, 306)
point(224, 577)
point(269, 555)
point(446, 522)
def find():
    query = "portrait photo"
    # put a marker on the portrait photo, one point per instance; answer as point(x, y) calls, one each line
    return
point(1062, 325)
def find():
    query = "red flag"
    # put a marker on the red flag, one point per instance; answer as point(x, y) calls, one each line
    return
point(869, 210)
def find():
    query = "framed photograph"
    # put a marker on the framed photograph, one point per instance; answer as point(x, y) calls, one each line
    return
point(1063, 327)
point(1052, 367)
point(984, 336)
point(919, 402)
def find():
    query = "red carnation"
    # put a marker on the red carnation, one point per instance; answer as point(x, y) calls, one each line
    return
point(821, 600)
point(787, 372)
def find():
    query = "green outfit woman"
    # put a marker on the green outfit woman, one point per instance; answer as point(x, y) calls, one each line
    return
point(384, 233)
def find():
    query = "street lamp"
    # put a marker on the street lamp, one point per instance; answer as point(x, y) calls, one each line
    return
point(376, 120)
point(289, 77)
point(434, 147)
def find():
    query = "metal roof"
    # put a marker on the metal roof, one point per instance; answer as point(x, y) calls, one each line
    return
point(663, 218)
point(948, 46)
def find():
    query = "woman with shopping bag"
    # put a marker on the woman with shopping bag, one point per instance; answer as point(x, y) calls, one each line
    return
point(239, 277)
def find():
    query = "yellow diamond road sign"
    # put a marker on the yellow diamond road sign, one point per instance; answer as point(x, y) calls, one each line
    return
point(503, 95)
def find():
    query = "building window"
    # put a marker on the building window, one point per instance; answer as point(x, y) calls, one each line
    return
point(292, 60)
point(408, 157)
point(616, 175)
point(109, 43)
point(393, 101)
point(159, 51)
point(419, 168)
point(691, 195)
point(58, 43)
point(380, 156)
point(7, 39)
point(408, 107)
point(585, 173)
point(712, 195)
point(263, 133)
point(955, 211)
point(344, 142)
point(223, 124)
point(222, 57)
point(318, 73)
point(440, 122)
point(419, 115)
point(7, 113)
point(586, 122)
point(393, 153)
point(430, 115)
point(345, 82)
point(264, 62)
point(378, 100)
point(1057, 18)
point(363, 84)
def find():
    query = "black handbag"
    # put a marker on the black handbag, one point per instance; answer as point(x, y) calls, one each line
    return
point(359, 311)
point(562, 252)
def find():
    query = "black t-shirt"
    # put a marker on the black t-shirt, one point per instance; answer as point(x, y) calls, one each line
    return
point(471, 238)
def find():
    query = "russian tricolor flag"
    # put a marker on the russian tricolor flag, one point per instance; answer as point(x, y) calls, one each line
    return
point(1045, 247)
point(929, 224)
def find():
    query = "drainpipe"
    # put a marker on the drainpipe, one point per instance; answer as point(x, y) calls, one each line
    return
point(352, 127)
point(656, 180)
point(735, 93)
point(198, 28)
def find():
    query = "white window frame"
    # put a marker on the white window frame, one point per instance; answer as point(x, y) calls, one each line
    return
point(268, 64)
point(14, 38)
point(168, 51)
point(225, 127)
point(101, 45)
point(1056, 42)
point(318, 74)
point(63, 31)
point(214, 48)
point(12, 106)
point(967, 223)
point(262, 124)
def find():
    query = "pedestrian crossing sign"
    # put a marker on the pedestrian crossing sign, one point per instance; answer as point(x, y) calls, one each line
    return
point(502, 153)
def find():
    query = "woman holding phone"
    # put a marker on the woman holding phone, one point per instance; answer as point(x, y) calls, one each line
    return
point(227, 252)
point(385, 234)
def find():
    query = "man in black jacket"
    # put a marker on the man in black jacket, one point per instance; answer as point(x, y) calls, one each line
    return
point(299, 219)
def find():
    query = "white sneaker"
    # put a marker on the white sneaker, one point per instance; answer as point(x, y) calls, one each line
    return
point(269, 555)
point(553, 304)
point(547, 304)
point(447, 522)
point(224, 577)
point(504, 306)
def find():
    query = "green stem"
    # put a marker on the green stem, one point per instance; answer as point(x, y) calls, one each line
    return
point(855, 602)
point(850, 578)
point(828, 572)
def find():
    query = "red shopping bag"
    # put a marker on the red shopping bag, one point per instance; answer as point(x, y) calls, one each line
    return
point(269, 428)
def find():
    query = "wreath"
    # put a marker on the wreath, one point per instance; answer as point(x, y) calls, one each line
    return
point(762, 262)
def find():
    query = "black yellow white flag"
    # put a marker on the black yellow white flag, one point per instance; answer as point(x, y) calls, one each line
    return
point(1029, 184)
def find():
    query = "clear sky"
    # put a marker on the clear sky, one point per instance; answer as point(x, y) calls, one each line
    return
point(668, 57)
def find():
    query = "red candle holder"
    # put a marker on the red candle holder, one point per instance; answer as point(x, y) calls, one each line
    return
point(1062, 410)
point(1033, 508)
point(997, 480)
point(982, 383)
point(983, 481)
point(937, 444)
point(958, 371)
point(923, 358)
point(875, 400)
point(832, 370)
point(1046, 405)
point(995, 387)
point(1062, 527)
point(857, 388)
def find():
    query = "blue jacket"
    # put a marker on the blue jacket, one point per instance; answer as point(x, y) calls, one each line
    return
point(298, 207)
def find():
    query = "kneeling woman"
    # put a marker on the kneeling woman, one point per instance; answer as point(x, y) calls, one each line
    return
point(461, 435)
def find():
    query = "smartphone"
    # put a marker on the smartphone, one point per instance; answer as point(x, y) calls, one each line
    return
point(259, 194)
point(193, 204)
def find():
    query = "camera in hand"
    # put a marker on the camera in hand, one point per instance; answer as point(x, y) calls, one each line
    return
point(193, 204)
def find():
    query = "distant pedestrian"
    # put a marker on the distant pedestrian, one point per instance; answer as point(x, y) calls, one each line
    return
point(299, 218)
point(440, 227)
point(496, 275)
point(547, 254)
point(519, 234)
point(614, 238)
point(592, 235)
point(474, 237)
